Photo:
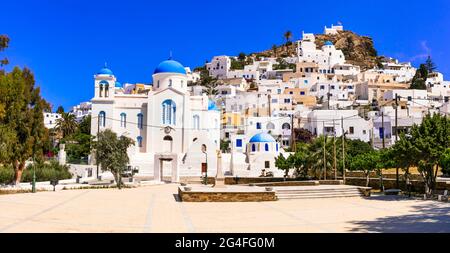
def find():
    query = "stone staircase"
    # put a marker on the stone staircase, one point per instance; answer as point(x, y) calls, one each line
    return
point(318, 192)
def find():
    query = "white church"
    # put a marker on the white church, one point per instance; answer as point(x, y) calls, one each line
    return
point(175, 133)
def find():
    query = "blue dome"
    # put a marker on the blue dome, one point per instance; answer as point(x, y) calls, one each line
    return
point(328, 43)
point(262, 137)
point(105, 71)
point(118, 85)
point(170, 66)
point(212, 106)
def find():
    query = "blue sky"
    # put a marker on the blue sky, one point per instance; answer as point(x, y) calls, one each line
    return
point(66, 42)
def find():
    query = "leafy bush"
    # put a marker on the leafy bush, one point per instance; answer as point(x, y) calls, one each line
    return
point(44, 172)
point(6, 174)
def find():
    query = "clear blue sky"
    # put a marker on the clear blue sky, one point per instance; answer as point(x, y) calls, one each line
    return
point(66, 42)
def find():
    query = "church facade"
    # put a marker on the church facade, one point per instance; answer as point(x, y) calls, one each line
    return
point(176, 134)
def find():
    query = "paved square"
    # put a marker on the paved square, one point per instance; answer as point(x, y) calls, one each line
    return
point(155, 209)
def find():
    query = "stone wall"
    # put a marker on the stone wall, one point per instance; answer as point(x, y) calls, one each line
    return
point(388, 176)
point(417, 186)
point(226, 196)
point(254, 180)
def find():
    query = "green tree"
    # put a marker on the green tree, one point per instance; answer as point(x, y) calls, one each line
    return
point(85, 125)
point(24, 109)
point(225, 146)
point(430, 140)
point(4, 43)
point(444, 162)
point(67, 124)
point(112, 153)
point(419, 80)
point(431, 67)
point(284, 164)
point(242, 57)
point(60, 110)
point(367, 163)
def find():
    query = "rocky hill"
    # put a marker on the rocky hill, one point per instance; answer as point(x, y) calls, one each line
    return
point(358, 50)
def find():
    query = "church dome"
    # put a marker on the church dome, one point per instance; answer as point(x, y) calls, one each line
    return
point(262, 137)
point(105, 71)
point(328, 43)
point(118, 85)
point(170, 66)
point(212, 106)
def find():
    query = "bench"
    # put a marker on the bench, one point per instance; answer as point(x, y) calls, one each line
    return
point(392, 192)
point(443, 197)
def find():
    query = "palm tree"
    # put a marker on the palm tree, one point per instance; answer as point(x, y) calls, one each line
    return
point(66, 125)
point(317, 158)
point(288, 36)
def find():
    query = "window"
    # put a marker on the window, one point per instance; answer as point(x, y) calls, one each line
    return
point(140, 120)
point(270, 126)
point(302, 93)
point(102, 119)
point(123, 120)
point(253, 147)
point(267, 165)
point(168, 112)
point(322, 87)
point(286, 126)
point(100, 90)
point(258, 125)
point(277, 147)
point(287, 101)
point(266, 147)
point(139, 141)
point(239, 143)
point(196, 122)
point(274, 100)
point(352, 130)
point(158, 84)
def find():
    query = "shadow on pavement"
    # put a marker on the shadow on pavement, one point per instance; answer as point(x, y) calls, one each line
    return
point(433, 218)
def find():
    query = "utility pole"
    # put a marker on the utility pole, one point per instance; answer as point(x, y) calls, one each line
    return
point(343, 149)
point(382, 123)
point(96, 151)
point(324, 153)
point(397, 176)
point(334, 150)
point(396, 117)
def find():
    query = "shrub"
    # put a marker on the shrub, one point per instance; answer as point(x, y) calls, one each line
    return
point(44, 172)
point(6, 174)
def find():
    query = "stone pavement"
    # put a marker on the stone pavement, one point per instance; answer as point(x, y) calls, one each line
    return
point(156, 209)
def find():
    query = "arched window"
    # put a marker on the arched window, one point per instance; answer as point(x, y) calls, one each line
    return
point(123, 120)
point(286, 126)
point(140, 120)
point(157, 85)
point(266, 147)
point(100, 93)
point(277, 147)
point(106, 90)
point(102, 119)
point(169, 110)
point(139, 141)
point(270, 126)
point(253, 147)
point(196, 122)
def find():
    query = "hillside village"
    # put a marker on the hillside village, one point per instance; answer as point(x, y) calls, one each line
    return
point(330, 84)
